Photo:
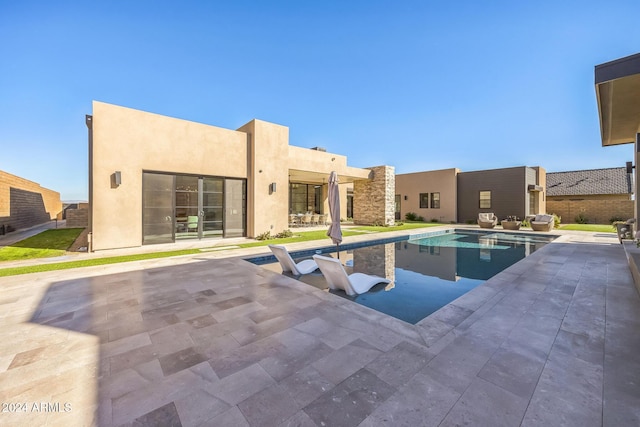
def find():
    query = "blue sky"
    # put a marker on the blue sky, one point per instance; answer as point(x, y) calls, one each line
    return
point(420, 85)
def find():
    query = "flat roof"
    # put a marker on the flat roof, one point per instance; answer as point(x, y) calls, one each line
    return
point(618, 94)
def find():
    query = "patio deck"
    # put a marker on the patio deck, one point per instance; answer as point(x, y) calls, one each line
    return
point(214, 340)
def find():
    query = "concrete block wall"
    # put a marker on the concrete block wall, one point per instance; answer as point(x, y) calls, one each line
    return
point(597, 209)
point(24, 203)
point(374, 199)
point(77, 218)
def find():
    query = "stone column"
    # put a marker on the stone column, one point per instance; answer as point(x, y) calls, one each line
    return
point(374, 199)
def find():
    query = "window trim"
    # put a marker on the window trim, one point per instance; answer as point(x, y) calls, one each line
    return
point(424, 201)
point(480, 199)
point(433, 200)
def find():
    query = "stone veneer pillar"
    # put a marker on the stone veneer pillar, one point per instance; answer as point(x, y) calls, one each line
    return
point(374, 199)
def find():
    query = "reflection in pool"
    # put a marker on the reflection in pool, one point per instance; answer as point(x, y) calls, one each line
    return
point(431, 272)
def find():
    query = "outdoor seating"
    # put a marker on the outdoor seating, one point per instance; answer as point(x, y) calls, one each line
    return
point(625, 229)
point(306, 220)
point(337, 278)
point(315, 219)
point(289, 265)
point(542, 222)
point(487, 220)
point(293, 220)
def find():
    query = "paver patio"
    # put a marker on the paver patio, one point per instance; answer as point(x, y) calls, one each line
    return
point(212, 341)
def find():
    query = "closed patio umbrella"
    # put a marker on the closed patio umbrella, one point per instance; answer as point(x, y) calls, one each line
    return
point(334, 231)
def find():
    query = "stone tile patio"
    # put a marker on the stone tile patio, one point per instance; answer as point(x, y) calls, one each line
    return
point(212, 340)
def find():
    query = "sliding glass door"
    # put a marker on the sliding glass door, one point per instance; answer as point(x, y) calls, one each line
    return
point(157, 211)
point(178, 207)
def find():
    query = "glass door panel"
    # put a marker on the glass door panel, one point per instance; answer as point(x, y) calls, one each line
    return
point(211, 202)
point(187, 224)
point(235, 208)
point(157, 208)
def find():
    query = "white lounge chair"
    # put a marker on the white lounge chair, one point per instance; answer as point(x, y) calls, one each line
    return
point(289, 265)
point(337, 278)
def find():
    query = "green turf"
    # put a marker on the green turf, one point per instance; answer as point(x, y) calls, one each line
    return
point(49, 243)
point(596, 228)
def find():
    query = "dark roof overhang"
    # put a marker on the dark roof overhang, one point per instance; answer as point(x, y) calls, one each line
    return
point(618, 95)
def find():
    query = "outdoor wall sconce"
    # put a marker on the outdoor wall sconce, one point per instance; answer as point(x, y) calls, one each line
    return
point(116, 179)
point(272, 188)
point(406, 197)
point(630, 168)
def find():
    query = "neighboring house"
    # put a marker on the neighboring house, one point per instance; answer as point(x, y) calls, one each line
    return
point(429, 194)
point(157, 179)
point(24, 203)
point(595, 196)
point(449, 195)
point(517, 191)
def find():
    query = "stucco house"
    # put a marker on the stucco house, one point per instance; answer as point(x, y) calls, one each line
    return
point(595, 195)
point(450, 195)
point(158, 179)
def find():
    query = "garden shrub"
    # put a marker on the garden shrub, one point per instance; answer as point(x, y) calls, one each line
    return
point(411, 216)
point(264, 236)
point(581, 219)
point(556, 221)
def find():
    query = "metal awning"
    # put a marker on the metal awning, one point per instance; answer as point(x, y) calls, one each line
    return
point(618, 95)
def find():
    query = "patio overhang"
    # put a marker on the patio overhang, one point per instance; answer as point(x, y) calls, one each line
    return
point(618, 95)
point(314, 177)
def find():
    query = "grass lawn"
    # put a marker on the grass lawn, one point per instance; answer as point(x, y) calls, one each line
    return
point(49, 243)
point(595, 228)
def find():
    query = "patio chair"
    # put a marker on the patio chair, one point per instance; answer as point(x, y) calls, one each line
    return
point(487, 220)
point(353, 284)
point(192, 223)
point(315, 219)
point(306, 219)
point(542, 222)
point(293, 220)
point(289, 265)
point(625, 229)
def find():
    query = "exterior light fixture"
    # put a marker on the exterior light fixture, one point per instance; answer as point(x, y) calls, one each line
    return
point(406, 197)
point(116, 179)
point(272, 188)
point(630, 168)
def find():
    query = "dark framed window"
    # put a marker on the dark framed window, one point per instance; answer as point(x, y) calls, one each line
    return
point(435, 200)
point(424, 200)
point(485, 200)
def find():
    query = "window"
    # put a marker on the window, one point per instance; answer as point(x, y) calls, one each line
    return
point(485, 199)
point(424, 200)
point(435, 200)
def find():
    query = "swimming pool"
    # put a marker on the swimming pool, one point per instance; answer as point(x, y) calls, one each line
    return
point(427, 271)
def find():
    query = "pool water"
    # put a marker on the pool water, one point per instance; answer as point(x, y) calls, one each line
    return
point(427, 273)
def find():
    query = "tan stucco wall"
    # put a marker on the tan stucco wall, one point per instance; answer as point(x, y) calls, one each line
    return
point(542, 199)
point(269, 151)
point(132, 141)
point(50, 198)
point(438, 181)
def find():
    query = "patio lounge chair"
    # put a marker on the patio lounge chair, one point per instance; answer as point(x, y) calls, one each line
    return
point(289, 265)
point(542, 223)
point(487, 220)
point(353, 284)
